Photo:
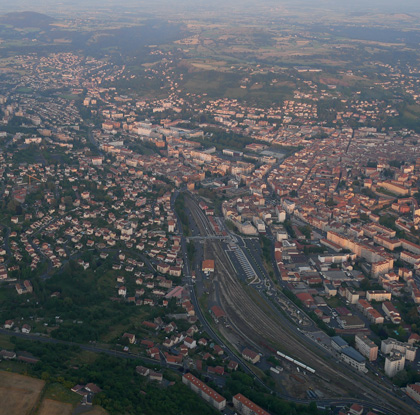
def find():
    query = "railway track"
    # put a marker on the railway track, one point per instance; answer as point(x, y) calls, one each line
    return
point(253, 324)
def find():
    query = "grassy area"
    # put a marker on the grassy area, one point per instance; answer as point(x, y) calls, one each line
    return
point(58, 392)
point(13, 366)
point(69, 97)
point(85, 357)
point(180, 210)
point(113, 332)
point(204, 304)
point(5, 342)
point(24, 90)
point(334, 302)
point(51, 407)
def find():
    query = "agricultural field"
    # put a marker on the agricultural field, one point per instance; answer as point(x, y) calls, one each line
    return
point(19, 394)
point(23, 395)
point(49, 407)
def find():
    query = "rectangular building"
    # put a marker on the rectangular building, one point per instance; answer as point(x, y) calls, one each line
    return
point(394, 364)
point(246, 407)
point(390, 345)
point(208, 394)
point(379, 295)
point(366, 347)
point(413, 391)
point(353, 358)
point(208, 265)
point(391, 312)
point(338, 343)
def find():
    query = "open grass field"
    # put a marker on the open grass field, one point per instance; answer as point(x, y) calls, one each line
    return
point(58, 392)
point(5, 342)
point(50, 407)
point(18, 394)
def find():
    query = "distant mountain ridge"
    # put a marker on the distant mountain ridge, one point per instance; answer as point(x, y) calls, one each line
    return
point(26, 19)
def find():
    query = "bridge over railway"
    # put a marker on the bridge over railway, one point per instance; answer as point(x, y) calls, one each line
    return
point(208, 237)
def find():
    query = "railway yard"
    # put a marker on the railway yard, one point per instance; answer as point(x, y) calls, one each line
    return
point(252, 320)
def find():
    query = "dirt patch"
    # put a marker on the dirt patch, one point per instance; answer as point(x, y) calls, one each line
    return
point(18, 394)
point(50, 407)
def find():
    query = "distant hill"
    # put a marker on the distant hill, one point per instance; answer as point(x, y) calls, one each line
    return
point(26, 19)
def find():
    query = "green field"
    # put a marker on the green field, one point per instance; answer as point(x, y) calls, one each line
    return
point(58, 392)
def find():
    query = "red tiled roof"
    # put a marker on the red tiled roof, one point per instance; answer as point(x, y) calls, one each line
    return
point(251, 405)
point(204, 388)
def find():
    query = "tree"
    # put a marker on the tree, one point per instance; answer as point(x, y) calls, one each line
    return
point(401, 378)
point(312, 408)
point(11, 206)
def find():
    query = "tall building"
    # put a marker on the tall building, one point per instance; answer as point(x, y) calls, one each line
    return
point(366, 347)
point(394, 364)
point(390, 345)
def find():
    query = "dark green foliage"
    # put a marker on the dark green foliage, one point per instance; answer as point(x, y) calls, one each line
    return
point(266, 248)
point(289, 228)
point(306, 230)
point(241, 383)
point(180, 211)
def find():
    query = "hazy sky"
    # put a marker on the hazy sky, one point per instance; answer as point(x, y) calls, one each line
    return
point(390, 6)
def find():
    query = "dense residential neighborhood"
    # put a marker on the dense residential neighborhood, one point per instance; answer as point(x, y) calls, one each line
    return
point(257, 254)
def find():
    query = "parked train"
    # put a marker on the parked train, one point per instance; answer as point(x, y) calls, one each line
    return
point(296, 362)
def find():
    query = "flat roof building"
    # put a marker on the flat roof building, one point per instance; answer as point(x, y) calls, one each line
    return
point(366, 347)
point(394, 363)
point(390, 345)
point(353, 358)
point(338, 343)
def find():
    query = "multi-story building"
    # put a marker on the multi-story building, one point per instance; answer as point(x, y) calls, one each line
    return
point(394, 188)
point(246, 407)
point(394, 364)
point(353, 358)
point(413, 391)
point(390, 345)
point(208, 394)
point(382, 267)
point(391, 312)
point(410, 258)
point(373, 315)
point(352, 296)
point(380, 260)
point(338, 343)
point(378, 295)
point(387, 243)
point(410, 246)
point(366, 347)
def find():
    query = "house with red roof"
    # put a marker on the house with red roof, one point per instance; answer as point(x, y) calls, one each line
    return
point(306, 299)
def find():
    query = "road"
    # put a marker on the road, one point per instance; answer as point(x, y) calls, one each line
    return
point(236, 301)
point(206, 326)
point(123, 355)
point(88, 347)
